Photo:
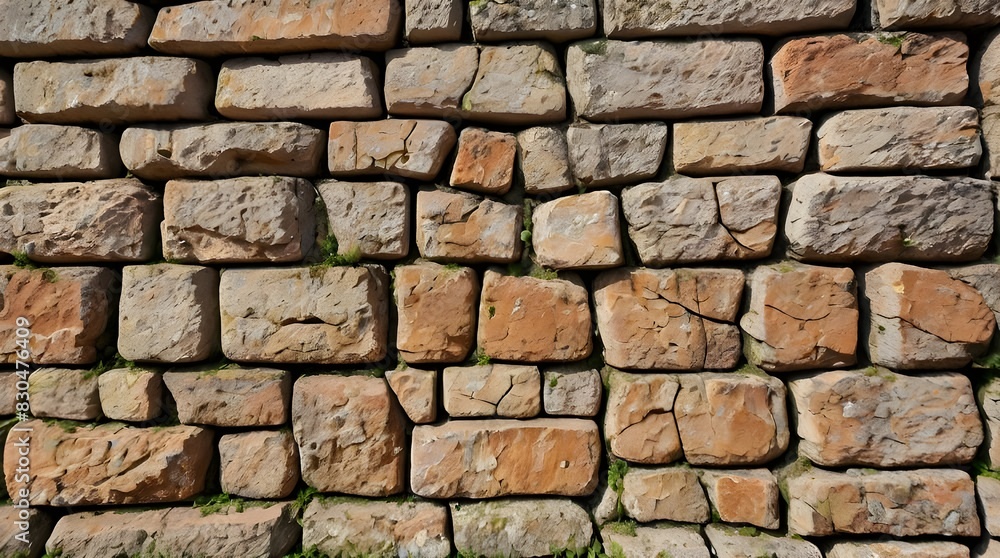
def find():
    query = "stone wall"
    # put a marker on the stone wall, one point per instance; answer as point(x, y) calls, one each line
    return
point(671, 278)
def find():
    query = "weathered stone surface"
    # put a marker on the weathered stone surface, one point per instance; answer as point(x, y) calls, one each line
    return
point(76, 222)
point(801, 317)
point(771, 144)
point(238, 220)
point(744, 496)
point(41, 28)
point(369, 218)
point(433, 21)
point(639, 423)
point(900, 138)
point(69, 316)
point(350, 435)
point(922, 318)
point(514, 527)
point(168, 313)
point(436, 308)
point(112, 463)
point(501, 390)
point(683, 220)
point(859, 417)
point(333, 315)
point(543, 159)
point(988, 494)
point(416, 391)
point(113, 91)
point(731, 419)
point(897, 503)
point(897, 549)
point(64, 394)
point(489, 458)
point(221, 27)
point(728, 542)
point(7, 114)
point(835, 219)
point(665, 80)
point(8, 393)
point(985, 278)
point(411, 148)
point(615, 154)
point(261, 464)
point(462, 227)
point(517, 84)
point(485, 161)
point(571, 390)
point(534, 320)
point(991, 140)
point(559, 21)
point(31, 543)
point(322, 86)
point(671, 493)
point(988, 397)
point(654, 540)
point(131, 395)
point(222, 149)
point(355, 526)
point(578, 232)
point(674, 319)
point(897, 14)
point(869, 69)
point(58, 152)
point(986, 71)
point(231, 396)
point(429, 81)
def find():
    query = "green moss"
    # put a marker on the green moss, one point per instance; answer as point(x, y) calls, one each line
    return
point(616, 551)
point(467, 101)
point(595, 46)
point(617, 470)
point(554, 381)
point(539, 272)
point(330, 255)
point(311, 552)
point(492, 311)
point(748, 532)
point(625, 527)
point(482, 359)
point(893, 39)
point(750, 369)
point(103, 366)
point(223, 503)
point(22, 261)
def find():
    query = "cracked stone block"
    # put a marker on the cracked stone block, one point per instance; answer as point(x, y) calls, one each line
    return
point(685, 220)
point(897, 549)
point(465, 228)
point(730, 542)
point(433, 21)
point(416, 391)
point(429, 81)
point(231, 397)
point(58, 152)
point(572, 390)
point(639, 422)
point(556, 22)
point(615, 154)
point(985, 278)
point(409, 148)
point(520, 527)
point(578, 232)
point(64, 393)
point(988, 397)
point(132, 395)
point(896, 14)
point(348, 526)
point(543, 159)
point(670, 493)
point(485, 161)
point(771, 144)
point(43, 29)
point(29, 542)
point(261, 464)
point(436, 307)
point(743, 496)
point(517, 84)
point(493, 390)
point(371, 219)
point(654, 539)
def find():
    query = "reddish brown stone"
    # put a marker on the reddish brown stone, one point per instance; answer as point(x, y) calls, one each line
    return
point(485, 161)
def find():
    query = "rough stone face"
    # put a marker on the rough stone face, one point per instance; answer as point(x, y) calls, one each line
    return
point(534, 320)
point(671, 493)
point(39, 527)
point(436, 308)
point(897, 549)
point(571, 390)
point(76, 222)
point(727, 542)
point(262, 464)
point(58, 152)
point(897, 503)
point(231, 397)
point(113, 91)
point(615, 154)
point(131, 395)
point(517, 84)
point(859, 418)
point(355, 526)
point(639, 423)
point(221, 27)
point(339, 315)
point(673, 319)
point(985, 278)
point(429, 81)
point(500, 390)
point(168, 313)
point(40, 28)
point(869, 69)
point(991, 140)
point(322, 86)
point(771, 144)
point(515, 527)
point(654, 540)
point(664, 80)
point(112, 463)
point(543, 159)
point(485, 161)
point(801, 317)
point(238, 220)
point(683, 220)
point(900, 138)
point(351, 435)
point(986, 71)
point(923, 319)
point(897, 14)
point(490, 458)
point(416, 391)
point(64, 394)
point(578, 232)
point(744, 496)
point(433, 21)
point(563, 20)
point(7, 114)
point(911, 218)
point(369, 218)
point(411, 148)
point(988, 397)
point(8, 393)
point(462, 227)
point(164, 152)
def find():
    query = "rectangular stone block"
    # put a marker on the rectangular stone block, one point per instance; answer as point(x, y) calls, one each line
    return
point(493, 390)
point(429, 81)
point(572, 390)
point(556, 22)
point(664, 493)
point(436, 308)
point(370, 219)
point(520, 527)
point(409, 148)
point(484, 162)
point(650, 540)
point(64, 393)
point(578, 232)
point(897, 549)
point(615, 154)
point(729, 542)
point(517, 84)
point(743, 496)
point(43, 28)
point(355, 525)
point(771, 144)
point(899, 14)
point(58, 152)
point(231, 397)
point(543, 159)
point(433, 21)
point(639, 422)
point(461, 227)
point(259, 464)
point(133, 395)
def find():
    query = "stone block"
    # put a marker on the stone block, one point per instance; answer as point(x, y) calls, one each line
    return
point(231, 397)
point(485, 161)
point(64, 393)
point(749, 145)
point(493, 390)
point(369, 219)
point(259, 464)
point(578, 232)
point(132, 395)
point(465, 228)
point(410, 148)
point(58, 153)
point(615, 154)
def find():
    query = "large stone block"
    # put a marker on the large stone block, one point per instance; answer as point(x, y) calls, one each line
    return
point(897, 14)
point(259, 464)
point(417, 392)
point(493, 390)
point(730, 542)
point(64, 393)
point(654, 539)
point(516, 527)
point(410, 148)
point(58, 152)
point(461, 227)
point(436, 307)
point(615, 154)
point(578, 232)
point(559, 21)
point(429, 81)
point(133, 395)
point(986, 71)
point(543, 159)
point(743, 496)
point(484, 162)
point(433, 21)
point(517, 84)
point(671, 493)
point(355, 526)
point(369, 219)
point(42, 28)
point(573, 390)
point(772, 144)
point(639, 422)
point(988, 494)
point(897, 549)
point(231, 397)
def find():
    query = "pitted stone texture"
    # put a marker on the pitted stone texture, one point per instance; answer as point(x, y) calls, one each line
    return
point(744, 496)
point(665, 80)
point(900, 14)
point(615, 154)
point(801, 317)
point(988, 494)
point(7, 114)
point(685, 220)
point(897, 549)
point(436, 306)
point(923, 319)
point(231, 397)
point(416, 391)
point(334, 315)
point(64, 393)
point(493, 390)
point(112, 464)
point(42, 28)
point(859, 417)
point(365, 527)
point(988, 397)
point(639, 422)
point(671, 493)
point(485, 161)
point(728, 542)
point(986, 71)
point(516, 527)
point(29, 542)
point(900, 138)
point(985, 278)
point(221, 27)
point(672, 319)
point(261, 464)
point(429, 81)
point(371, 218)
point(80, 222)
point(655, 539)
point(433, 21)
point(113, 91)
point(543, 159)
point(991, 140)
point(322, 86)
point(351, 435)
point(869, 69)
point(559, 21)
point(534, 320)
point(571, 390)
point(517, 84)
point(898, 503)
point(835, 219)
point(462, 227)
point(578, 232)
point(131, 395)
point(58, 152)
point(222, 149)
point(410, 148)
point(8, 394)
point(490, 458)
point(238, 220)
point(771, 144)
